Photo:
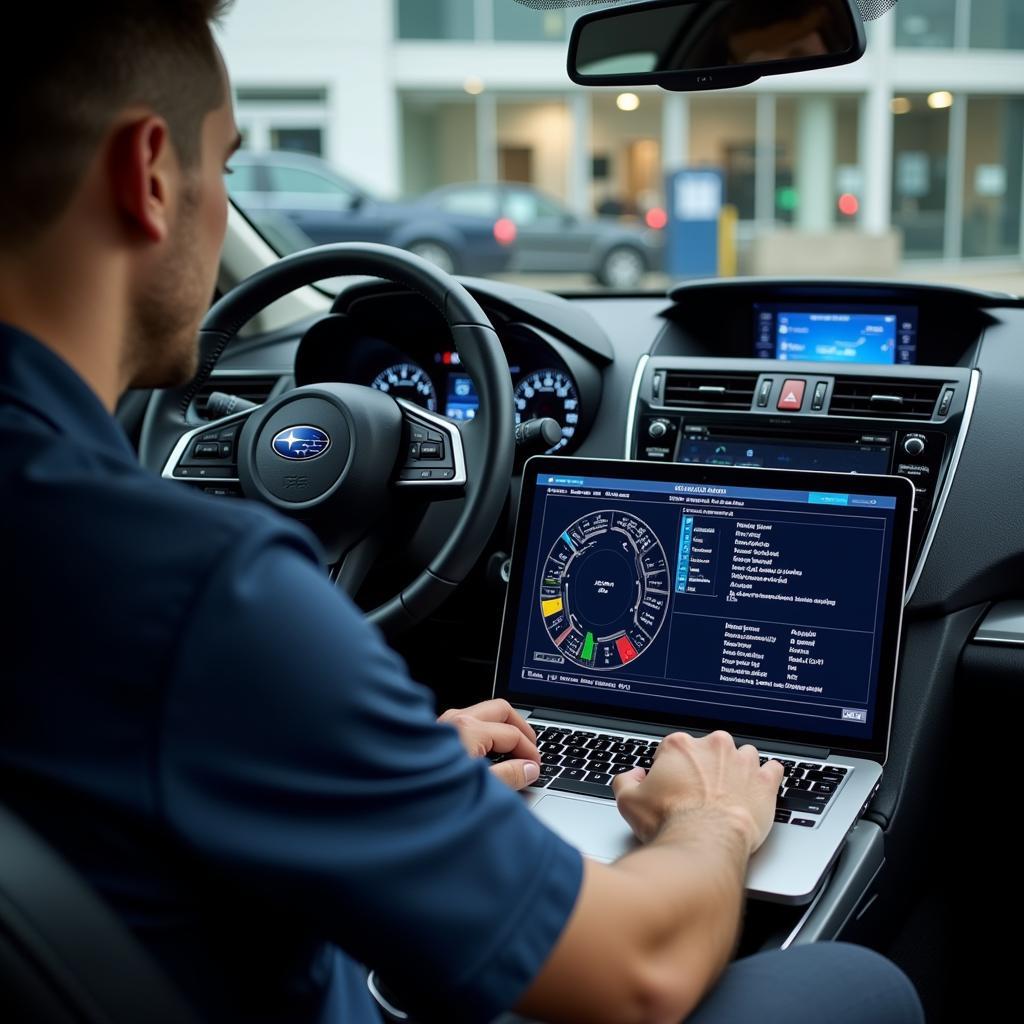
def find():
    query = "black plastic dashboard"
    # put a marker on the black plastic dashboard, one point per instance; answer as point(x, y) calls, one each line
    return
point(690, 363)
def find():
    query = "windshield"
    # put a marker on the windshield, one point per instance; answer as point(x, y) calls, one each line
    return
point(450, 128)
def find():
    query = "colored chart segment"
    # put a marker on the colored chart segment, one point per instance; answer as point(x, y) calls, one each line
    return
point(604, 590)
point(588, 648)
point(627, 652)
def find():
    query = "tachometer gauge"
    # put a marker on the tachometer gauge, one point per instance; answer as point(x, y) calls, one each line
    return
point(408, 381)
point(549, 393)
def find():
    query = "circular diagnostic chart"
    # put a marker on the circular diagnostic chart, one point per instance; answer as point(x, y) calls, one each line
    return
point(604, 590)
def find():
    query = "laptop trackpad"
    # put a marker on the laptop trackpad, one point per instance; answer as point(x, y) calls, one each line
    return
point(595, 829)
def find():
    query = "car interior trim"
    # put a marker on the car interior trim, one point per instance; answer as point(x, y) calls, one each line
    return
point(947, 485)
point(634, 399)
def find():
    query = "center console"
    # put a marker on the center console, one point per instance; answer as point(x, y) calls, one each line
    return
point(813, 378)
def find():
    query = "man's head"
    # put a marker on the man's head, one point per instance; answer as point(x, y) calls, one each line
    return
point(117, 124)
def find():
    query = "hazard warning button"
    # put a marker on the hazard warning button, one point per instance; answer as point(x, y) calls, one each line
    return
point(791, 398)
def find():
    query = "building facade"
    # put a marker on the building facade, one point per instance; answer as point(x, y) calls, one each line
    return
point(924, 137)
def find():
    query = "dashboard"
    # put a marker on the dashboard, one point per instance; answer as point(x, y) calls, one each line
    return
point(921, 381)
point(403, 349)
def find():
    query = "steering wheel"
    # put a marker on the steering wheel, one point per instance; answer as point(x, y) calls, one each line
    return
point(343, 458)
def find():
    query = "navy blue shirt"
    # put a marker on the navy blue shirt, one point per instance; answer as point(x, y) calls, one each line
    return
point(211, 733)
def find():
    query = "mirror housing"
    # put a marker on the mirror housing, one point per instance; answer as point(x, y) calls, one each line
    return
point(694, 45)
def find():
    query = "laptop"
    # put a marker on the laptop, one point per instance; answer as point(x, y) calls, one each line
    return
point(644, 599)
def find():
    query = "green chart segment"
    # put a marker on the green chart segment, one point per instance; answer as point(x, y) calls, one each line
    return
point(605, 590)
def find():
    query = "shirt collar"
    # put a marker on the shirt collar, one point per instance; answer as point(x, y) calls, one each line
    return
point(33, 376)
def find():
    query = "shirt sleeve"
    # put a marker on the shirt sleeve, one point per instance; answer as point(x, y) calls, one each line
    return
point(298, 757)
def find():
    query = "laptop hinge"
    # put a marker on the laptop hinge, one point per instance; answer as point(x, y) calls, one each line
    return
point(621, 725)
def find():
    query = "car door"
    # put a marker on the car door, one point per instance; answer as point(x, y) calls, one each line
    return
point(549, 237)
point(323, 207)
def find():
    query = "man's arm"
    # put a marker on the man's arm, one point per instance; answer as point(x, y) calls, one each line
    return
point(651, 933)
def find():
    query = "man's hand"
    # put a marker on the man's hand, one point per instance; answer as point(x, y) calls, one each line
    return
point(495, 727)
point(706, 774)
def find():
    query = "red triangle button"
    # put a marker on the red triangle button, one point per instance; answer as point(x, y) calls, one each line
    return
point(792, 398)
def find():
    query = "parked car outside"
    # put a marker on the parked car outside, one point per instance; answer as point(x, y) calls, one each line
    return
point(299, 200)
point(551, 238)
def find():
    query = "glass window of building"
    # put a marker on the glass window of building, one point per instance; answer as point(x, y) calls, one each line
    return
point(438, 141)
point(920, 157)
point(626, 153)
point(819, 183)
point(514, 22)
point(927, 23)
point(723, 134)
point(435, 19)
point(993, 176)
point(534, 139)
point(298, 140)
point(997, 24)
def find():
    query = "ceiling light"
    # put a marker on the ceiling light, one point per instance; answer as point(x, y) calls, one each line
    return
point(627, 101)
point(900, 105)
point(474, 86)
point(940, 100)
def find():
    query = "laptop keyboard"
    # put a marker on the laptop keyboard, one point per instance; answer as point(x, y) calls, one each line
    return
point(577, 761)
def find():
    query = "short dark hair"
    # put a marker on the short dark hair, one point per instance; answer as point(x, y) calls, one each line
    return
point(66, 71)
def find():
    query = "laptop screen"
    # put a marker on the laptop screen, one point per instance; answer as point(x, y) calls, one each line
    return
point(765, 602)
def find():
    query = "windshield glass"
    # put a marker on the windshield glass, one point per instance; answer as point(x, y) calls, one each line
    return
point(450, 128)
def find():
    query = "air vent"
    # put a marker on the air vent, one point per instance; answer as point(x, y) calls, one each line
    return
point(878, 398)
point(709, 390)
point(252, 389)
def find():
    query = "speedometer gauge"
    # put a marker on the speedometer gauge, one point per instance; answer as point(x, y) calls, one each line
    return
point(408, 381)
point(549, 393)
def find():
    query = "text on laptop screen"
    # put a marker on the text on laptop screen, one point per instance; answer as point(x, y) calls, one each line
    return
point(737, 604)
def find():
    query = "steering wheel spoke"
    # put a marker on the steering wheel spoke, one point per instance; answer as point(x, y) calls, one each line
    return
point(208, 454)
point(339, 457)
point(433, 455)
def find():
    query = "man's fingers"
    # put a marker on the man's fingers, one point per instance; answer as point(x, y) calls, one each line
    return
point(517, 774)
point(507, 739)
point(499, 710)
point(626, 781)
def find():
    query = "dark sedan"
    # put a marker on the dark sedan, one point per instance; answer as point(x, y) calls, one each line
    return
point(550, 238)
point(299, 200)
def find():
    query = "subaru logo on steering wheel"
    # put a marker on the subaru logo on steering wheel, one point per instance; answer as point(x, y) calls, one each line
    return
point(300, 444)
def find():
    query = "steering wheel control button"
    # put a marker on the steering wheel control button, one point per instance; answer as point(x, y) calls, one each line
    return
point(414, 450)
point(820, 391)
point(792, 397)
point(206, 450)
point(431, 450)
point(764, 394)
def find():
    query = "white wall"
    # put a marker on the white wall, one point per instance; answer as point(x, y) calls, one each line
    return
point(343, 45)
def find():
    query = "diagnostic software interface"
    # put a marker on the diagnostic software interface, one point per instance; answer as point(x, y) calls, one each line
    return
point(740, 604)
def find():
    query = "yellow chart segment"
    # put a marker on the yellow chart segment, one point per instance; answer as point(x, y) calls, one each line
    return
point(552, 607)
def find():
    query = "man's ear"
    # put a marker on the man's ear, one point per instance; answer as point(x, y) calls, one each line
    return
point(141, 166)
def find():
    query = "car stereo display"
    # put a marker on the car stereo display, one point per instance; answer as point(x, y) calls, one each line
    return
point(865, 335)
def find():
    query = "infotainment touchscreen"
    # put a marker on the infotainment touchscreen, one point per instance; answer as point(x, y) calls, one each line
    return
point(867, 335)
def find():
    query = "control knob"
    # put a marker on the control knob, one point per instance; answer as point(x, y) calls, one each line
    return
point(657, 429)
point(913, 445)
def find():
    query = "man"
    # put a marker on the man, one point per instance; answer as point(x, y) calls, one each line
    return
point(207, 730)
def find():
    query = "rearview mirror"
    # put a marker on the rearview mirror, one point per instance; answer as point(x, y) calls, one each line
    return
point(689, 45)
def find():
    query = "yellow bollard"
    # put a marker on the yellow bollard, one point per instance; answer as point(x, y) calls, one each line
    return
point(728, 220)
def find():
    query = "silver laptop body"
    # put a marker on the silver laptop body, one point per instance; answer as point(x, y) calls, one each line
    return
point(796, 856)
